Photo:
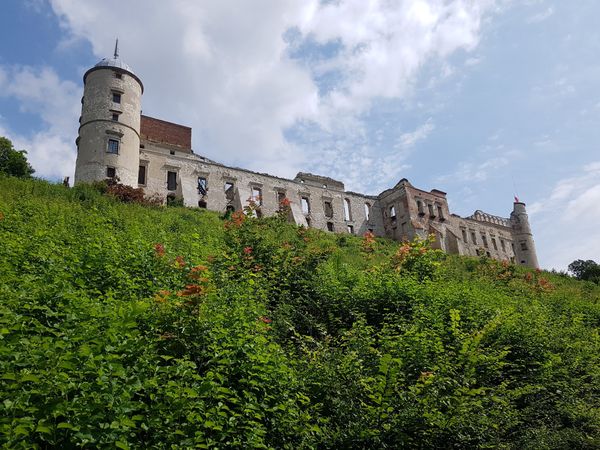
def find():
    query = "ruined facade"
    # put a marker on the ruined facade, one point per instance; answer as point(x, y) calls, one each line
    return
point(116, 141)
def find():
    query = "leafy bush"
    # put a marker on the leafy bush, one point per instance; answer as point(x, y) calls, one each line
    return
point(133, 327)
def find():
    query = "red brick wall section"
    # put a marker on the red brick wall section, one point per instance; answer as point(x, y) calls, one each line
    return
point(164, 132)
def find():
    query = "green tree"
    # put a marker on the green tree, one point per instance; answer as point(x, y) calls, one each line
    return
point(585, 270)
point(13, 162)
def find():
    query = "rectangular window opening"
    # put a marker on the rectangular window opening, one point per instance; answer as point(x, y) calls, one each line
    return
point(111, 172)
point(115, 117)
point(347, 209)
point(171, 181)
point(116, 97)
point(473, 237)
point(229, 190)
point(329, 226)
point(113, 146)
point(142, 175)
point(257, 195)
point(464, 235)
point(305, 205)
point(202, 186)
point(350, 229)
point(494, 244)
point(367, 211)
point(431, 210)
point(328, 207)
point(392, 213)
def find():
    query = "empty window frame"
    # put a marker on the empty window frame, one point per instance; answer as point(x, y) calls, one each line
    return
point(229, 190)
point(202, 204)
point(440, 212)
point(115, 117)
point(494, 244)
point(281, 199)
point(351, 229)
point(329, 226)
point(503, 245)
point(116, 97)
point(392, 212)
point(420, 208)
point(523, 245)
point(171, 181)
point(305, 202)
point(484, 240)
point(464, 235)
point(368, 211)
point(202, 186)
point(347, 209)
point(328, 208)
point(118, 75)
point(142, 175)
point(113, 146)
point(257, 195)
point(473, 237)
point(431, 210)
point(111, 172)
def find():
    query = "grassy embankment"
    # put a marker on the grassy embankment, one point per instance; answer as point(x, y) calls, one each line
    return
point(135, 327)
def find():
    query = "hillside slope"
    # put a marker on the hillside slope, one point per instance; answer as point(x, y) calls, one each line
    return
point(134, 327)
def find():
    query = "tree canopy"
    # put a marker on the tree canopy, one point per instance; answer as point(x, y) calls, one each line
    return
point(13, 162)
point(585, 270)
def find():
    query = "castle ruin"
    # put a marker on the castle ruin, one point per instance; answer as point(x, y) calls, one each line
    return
point(117, 142)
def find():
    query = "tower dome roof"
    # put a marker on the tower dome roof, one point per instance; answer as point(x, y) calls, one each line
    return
point(115, 63)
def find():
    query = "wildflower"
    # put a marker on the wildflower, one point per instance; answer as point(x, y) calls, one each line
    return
point(285, 203)
point(159, 249)
point(161, 296)
point(191, 289)
point(265, 319)
point(247, 250)
point(179, 261)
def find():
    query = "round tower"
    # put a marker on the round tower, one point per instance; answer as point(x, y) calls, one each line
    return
point(525, 253)
point(108, 145)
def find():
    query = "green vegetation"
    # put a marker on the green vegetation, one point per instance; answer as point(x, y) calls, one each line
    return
point(127, 326)
point(585, 270)
point(13, 162)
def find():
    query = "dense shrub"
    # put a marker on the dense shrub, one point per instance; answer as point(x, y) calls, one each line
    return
point(133, 327)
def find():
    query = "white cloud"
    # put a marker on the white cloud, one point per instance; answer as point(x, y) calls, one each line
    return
point(226, 68)
point(566, 222)
point(51, 149)
point(470, 172)
point(541, 16)
point(408, 140)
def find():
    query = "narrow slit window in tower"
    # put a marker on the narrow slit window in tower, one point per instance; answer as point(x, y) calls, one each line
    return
point(116, 97)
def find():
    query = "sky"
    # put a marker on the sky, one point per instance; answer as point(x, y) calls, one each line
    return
point(482, 99)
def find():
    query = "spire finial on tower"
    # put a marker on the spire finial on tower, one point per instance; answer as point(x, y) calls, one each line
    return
point(117, 48)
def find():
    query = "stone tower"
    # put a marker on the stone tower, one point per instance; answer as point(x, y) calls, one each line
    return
point(109, 133)
point(522, 237)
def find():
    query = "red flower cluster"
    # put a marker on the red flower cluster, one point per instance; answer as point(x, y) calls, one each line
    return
point(247, 250)
point(179, 261)
point(159, 249)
